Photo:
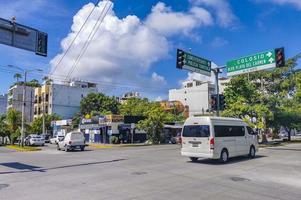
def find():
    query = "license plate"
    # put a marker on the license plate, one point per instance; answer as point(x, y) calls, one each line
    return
point(195, 145)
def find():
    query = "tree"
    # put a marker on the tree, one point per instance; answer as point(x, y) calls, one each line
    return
point(17, 76)
point(154, 123)
point(13, 121)
point(3, 126)
point(135, 107)
point(265, 96)
point(98, 103)
point(47, 80)
point(36, 126)
point(289, 119)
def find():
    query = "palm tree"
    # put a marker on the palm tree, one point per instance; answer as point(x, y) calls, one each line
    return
point(47, 80)
point(17, 76)
point(13, 120)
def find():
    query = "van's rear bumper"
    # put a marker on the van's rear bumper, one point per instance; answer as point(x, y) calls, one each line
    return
point(199, 155)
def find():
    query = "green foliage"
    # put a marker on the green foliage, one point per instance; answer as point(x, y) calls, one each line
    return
point(36, 126)
point(135, 107)
point(272, 97)
point(98, 103)
point(13, 122)
point(114, 140)
point(3, 126)
point(154, 123)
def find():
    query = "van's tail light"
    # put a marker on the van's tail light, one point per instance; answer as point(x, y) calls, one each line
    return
point(70, 142)
point(212, 143)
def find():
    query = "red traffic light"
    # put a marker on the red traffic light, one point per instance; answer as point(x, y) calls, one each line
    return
point(280, 57)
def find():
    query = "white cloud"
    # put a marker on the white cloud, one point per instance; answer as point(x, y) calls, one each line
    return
point(124, 49)
point(167, 22)
point(296, 3)
point(224, 14)
point(158, 79)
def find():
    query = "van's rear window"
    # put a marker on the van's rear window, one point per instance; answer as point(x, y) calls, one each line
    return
point(196, 131)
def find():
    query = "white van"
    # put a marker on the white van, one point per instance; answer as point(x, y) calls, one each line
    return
point(72, 140)
point(217, 138)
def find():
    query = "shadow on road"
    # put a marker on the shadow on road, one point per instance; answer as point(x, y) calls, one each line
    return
point(231, 160)
point(285, 149)
point(29, 168)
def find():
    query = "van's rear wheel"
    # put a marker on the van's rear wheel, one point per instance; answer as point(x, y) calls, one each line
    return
point(194, 159)
point(252, 152)
point(224, 156)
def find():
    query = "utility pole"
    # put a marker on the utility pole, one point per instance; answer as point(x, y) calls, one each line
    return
point(43, 104)
point(23, 109)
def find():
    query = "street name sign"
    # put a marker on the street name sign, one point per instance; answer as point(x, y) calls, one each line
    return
point(257, 62)
point(23, 37)
point(193, 63)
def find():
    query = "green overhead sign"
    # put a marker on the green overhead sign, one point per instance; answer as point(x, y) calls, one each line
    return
point(193, 63)
point(256, 62)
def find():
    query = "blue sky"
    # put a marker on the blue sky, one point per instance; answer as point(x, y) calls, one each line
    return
point(134, 49)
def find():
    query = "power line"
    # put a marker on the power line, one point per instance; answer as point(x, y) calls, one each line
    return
point(90, 37)
point(72, 42)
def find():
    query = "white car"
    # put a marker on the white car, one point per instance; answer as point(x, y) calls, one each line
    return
point(34, 140)
point(55, 139)
point(72, 140)
point(217, 138)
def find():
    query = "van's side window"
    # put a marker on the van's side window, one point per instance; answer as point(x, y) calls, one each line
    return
point(229, 131)
point(250, 131)
point(196, 131)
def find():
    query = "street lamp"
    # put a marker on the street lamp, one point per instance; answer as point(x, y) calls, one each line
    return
point(25, 71)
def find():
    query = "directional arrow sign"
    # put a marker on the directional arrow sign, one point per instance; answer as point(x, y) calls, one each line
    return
point(252, 63)
point(193, 63)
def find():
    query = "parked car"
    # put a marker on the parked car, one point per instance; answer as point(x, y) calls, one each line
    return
point(217, 138)
point(283, 135)
point(72, 140)
point(55, 139)
point(46, 138)
point(176, 139)
point(34, 140)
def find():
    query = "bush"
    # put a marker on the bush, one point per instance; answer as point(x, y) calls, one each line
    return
point(114, 140)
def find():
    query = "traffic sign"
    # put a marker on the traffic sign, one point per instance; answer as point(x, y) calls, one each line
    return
point(256, 62)
point(23, 37)
point(193, 63)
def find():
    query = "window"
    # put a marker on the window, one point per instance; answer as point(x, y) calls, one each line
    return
point(198, 83)
point(189, 84)
point(229, 131)
point(250, 131)
point(47, 97)
point(196, 131)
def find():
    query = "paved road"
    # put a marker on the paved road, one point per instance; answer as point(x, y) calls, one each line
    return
point(153, 172)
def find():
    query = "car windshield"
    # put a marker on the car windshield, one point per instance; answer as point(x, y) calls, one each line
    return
point(196, 131)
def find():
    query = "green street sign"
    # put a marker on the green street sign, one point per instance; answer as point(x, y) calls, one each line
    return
point(193, 63)
point(252, 63)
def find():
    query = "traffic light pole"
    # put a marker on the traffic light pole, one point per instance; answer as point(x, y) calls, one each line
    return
point(217, 71)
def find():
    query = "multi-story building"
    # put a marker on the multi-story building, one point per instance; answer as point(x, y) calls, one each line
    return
point(3, 103)
point(194, 95)
point(61, 99)
point(15, 99)
point(129, 95)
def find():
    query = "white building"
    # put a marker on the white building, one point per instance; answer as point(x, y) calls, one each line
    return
point(129, 95)
point(61, 99)
point(3, 103)
point(194, 95)
point(15, 97)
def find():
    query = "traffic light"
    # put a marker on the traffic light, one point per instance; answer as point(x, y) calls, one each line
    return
point(222, 103)
point(213, 102)
point(280, 57)
point(180, 58)
point(42, 42)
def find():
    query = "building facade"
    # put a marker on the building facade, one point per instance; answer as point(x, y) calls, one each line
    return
point(3, 104)
point(127, 96)
point(61, 99)
point(15, 99)
point(194, 95)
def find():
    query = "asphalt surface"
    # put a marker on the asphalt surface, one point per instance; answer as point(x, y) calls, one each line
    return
point(152, 172)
